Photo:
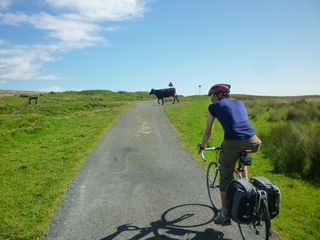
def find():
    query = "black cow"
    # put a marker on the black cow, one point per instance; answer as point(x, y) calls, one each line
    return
point(164, 93)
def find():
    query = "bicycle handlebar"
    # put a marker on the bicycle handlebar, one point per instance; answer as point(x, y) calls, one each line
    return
point(216, 149)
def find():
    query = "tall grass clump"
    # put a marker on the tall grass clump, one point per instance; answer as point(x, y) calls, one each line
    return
point(294, 149)
point(297, 114)
point(303, 111)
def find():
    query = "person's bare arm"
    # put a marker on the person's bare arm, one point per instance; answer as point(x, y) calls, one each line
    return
point(207, 133)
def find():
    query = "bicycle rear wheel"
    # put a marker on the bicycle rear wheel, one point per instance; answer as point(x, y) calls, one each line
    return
point(260, 227)
point(213, 182)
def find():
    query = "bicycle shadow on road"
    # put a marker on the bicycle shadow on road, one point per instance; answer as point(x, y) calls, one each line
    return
point(177, 227)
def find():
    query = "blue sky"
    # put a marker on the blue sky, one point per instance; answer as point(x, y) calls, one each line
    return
point(259, 47)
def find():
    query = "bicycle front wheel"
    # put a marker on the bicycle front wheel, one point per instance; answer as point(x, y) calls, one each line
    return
point(260, 227)
point(213, 183)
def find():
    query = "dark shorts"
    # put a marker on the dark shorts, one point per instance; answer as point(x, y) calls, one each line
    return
point(229, 156)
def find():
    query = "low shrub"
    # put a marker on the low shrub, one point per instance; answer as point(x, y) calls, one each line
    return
point(294, 149)
point(255, 112)
point(314, 113)
point(298, 102)
point(297, 114)
point(274, 116)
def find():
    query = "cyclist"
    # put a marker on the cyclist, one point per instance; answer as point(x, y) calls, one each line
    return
point(239, 135)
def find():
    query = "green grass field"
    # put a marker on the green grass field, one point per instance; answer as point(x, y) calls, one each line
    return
point(300, 204)
point(43, 146)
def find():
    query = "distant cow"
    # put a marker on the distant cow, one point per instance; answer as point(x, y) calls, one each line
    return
point(164, 93)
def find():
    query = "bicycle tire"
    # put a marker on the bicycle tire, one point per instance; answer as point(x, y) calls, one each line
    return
point(264, 210)
point(213, 182)
point(260, 227)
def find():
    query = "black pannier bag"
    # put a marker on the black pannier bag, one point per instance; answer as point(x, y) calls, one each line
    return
point(273, 193)
point(241, 197)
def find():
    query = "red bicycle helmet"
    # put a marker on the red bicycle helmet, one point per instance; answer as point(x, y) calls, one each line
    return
point(219, 88)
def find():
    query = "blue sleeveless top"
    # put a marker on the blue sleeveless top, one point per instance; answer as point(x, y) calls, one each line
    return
point(232, 115)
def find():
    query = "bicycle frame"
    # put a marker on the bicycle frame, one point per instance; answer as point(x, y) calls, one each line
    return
point(242, 160)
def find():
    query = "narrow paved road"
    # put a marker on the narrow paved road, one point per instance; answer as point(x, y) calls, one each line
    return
point(139, 183)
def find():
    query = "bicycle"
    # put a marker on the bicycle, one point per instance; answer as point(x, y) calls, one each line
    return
point(260, 224)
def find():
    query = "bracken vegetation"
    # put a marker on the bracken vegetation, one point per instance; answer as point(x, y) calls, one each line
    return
point(293, 141)
point(294, 148)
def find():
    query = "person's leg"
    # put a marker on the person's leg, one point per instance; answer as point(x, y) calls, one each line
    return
point(229, 156)
point(222, 218)
point(245, 173)
point(223, 196)
point(228, 159)
point(252, 144)
point(226, 174)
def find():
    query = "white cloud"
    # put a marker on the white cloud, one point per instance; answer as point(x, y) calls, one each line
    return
point(52, 89)
point(25, 63)
point(112, 28)
point(3, 42)
point(79, 25)
point(4, 4)
point(102, 10)
point(70, 33)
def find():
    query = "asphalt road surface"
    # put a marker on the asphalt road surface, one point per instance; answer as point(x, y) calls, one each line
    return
point(139, 183)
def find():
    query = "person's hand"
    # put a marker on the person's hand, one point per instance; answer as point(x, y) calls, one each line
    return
point(200, 149)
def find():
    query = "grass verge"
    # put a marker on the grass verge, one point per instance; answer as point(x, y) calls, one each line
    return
point(43, 147)
point(300, 205)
